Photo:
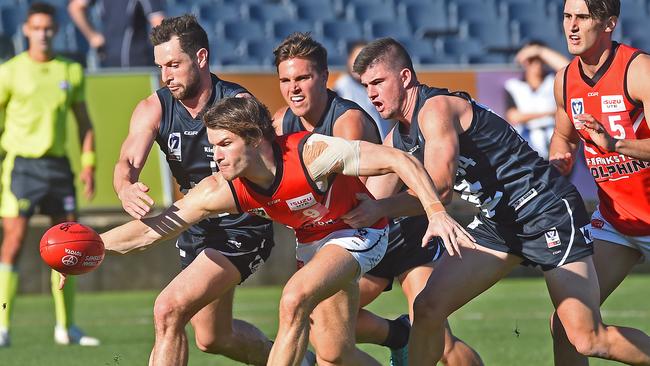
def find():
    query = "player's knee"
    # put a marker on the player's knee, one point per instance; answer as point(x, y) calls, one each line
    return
point(334, 356)
point(213, 343)
point(167, 313)
point(13, 239)
point(427, 310)
point(294, 304)
point(589, 343)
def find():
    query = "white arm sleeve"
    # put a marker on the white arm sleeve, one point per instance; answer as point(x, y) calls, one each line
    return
point(324, 155)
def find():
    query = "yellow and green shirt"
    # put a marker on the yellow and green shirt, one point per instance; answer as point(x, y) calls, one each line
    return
point(36, 97)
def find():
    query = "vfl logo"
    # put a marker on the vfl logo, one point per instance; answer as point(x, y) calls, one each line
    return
point(69, 260)
point(577, 106)
point(174, 146)
point(552, 238)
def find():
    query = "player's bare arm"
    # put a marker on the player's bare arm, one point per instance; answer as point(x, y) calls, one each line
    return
point(278, 117)
point(565, 138)
point(637, 80)
point(439, 121)
point(210, 197)
point(440, 124)
point(144, 125)
point(325, 155)
point(353, 125)
point(87, 143)
point(387, 202)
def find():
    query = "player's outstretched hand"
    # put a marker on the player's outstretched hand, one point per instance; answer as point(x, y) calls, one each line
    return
point(365, 214)
point(563, 162)
point(135, 200)
point(451, 232)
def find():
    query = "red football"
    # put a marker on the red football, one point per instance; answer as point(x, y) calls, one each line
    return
point(72, 248)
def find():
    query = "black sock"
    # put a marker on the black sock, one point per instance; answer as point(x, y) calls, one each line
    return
point(398, 334)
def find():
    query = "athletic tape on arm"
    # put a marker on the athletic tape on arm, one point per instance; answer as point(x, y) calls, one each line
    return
point(326, 154)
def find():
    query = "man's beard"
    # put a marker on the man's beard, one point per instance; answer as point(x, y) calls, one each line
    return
point(191, 89)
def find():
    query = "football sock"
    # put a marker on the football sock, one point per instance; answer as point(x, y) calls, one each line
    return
point(8, 287)
point(63, 300)
point(398, 334)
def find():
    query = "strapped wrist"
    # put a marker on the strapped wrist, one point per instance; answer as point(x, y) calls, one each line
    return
point(88, 159)
point(434, 208)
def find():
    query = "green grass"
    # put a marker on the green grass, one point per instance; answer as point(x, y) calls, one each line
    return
point(507, 324)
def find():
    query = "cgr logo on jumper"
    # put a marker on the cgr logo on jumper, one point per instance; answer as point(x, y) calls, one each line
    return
point(174, 146)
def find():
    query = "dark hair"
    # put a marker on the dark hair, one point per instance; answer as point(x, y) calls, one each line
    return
point(603, 9)
point(385, 50)
point(245, 117)
point(191, 35)
point(42, 8)
point(301, 45)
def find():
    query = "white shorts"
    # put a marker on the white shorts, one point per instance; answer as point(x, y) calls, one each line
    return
point(366, 245)
point(608, 233)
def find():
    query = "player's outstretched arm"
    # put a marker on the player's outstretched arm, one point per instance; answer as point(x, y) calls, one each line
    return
point(211, 196)
point(144, 125)
point(325, 155)
point(565, 139)
point(376, 159)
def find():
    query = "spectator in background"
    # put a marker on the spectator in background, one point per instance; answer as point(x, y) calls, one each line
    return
point(530, 105)
point(349, 87)
point(125, 38)
point(37, 89)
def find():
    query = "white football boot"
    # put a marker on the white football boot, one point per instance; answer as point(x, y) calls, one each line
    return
point(73, 335)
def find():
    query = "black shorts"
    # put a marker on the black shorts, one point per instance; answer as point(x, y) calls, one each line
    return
point(45, 183)
point(405, 249)
point(246, 250)
point(558, 235)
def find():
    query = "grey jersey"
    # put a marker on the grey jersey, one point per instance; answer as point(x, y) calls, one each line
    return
point(497, 170)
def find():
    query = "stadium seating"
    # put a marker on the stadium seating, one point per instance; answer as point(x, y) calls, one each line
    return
point(388, 28)
point(342, 30)
point(238, 30)
point(317, 11)
point(283, 28)
point(211, 14)
point(434, 31)
point(428, 19)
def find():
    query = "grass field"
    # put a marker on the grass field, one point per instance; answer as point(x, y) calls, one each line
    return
point(507, 324)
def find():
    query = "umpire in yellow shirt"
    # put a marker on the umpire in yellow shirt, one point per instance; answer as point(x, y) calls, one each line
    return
point(37, 89)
